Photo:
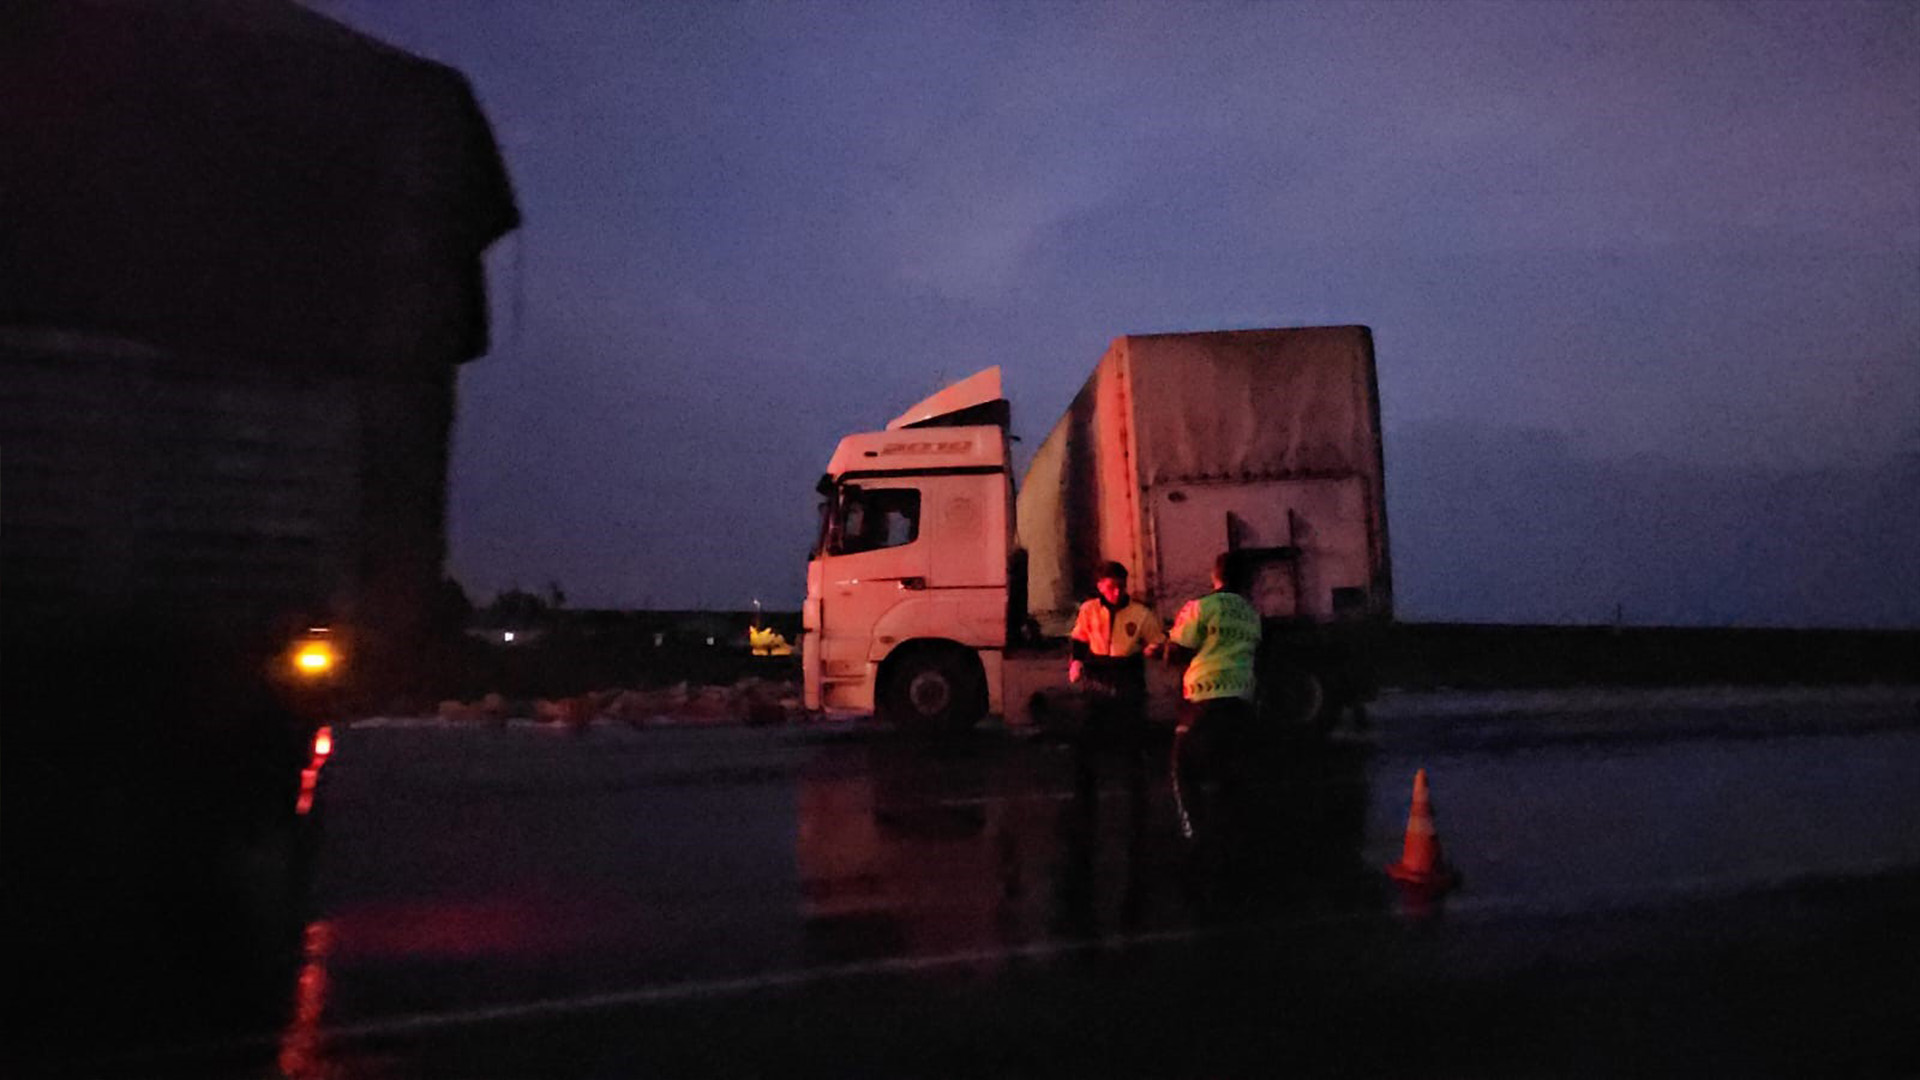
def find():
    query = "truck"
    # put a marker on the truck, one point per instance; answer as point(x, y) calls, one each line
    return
point(242, 268)
point(939, 591)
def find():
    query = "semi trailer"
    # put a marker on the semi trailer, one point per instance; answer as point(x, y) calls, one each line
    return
point(939, 591)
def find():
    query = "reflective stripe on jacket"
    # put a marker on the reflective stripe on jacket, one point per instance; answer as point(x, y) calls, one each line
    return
point(1223, 629)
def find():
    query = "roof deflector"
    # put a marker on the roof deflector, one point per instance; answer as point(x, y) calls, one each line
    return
point(970, 400)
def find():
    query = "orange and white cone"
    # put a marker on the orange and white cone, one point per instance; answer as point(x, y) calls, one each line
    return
point(1421, 867)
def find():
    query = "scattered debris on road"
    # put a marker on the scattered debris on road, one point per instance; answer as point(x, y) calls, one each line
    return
point(752, 701)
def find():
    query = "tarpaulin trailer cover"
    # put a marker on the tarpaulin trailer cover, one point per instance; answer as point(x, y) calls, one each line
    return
point(1183, 445)
point(243, 255)
point(243, 179)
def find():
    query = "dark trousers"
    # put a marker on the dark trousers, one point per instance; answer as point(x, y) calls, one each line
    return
point(1213, 747)
point(1111, 743)
point(1115, 729)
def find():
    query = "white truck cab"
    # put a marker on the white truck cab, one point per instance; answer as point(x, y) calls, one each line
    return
point(906, 609)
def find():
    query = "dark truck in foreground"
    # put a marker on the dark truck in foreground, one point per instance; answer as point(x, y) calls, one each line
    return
point(241, 266)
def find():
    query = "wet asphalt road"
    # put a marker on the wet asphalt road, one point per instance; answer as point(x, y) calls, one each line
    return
point(1667, 885)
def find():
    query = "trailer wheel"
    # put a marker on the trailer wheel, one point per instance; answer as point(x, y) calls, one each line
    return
point(1294, 703)
point(935, 691)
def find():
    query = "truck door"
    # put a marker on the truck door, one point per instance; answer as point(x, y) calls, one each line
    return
point(873, 555)
point(1312, 534)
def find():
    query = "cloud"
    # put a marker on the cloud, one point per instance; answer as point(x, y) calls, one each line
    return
point(1496, 524)
point(1686, 231)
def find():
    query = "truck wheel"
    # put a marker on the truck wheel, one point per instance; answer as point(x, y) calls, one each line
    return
point(1294, 703)
point(936, 692)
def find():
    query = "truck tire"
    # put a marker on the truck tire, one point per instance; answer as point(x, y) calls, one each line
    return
point(1294, 703)
point(935, 691)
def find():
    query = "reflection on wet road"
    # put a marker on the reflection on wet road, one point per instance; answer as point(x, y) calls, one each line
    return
point(684, 865)
point(492, 876)
point(699, 862)
point(661, 861)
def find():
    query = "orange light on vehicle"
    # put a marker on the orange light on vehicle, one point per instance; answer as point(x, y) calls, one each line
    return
point(323, 742)
point(315, 658)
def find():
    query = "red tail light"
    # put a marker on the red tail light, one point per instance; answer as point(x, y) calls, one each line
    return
point(310, 776)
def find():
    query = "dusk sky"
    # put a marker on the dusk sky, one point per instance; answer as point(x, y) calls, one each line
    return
point(1644, 278)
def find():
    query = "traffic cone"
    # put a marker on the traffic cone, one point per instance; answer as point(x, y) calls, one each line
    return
point(1421, 867)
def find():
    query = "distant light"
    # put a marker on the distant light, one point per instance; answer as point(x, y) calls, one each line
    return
point(506, 635)
point(323, 742)
point(709, 640)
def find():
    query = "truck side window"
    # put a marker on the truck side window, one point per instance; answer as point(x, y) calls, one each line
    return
point(880, 518)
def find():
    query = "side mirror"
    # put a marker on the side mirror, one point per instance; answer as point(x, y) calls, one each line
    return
point(842, 501)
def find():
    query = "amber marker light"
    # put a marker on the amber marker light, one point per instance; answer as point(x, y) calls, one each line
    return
point(314, 655)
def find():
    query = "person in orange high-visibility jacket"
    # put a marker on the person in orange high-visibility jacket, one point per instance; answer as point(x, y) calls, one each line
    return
point(1111, 636)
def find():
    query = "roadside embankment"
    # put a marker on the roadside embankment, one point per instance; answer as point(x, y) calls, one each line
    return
point(1494, 719)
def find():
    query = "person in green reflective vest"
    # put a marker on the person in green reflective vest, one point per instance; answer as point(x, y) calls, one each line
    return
point(1219, 635)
